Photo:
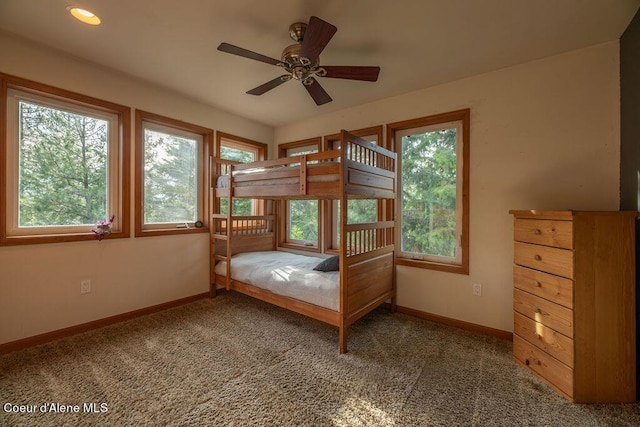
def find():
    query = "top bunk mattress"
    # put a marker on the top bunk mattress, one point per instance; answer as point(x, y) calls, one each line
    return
point(286, 274)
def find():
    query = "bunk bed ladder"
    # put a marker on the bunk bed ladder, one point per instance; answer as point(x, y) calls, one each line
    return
point(221, 227)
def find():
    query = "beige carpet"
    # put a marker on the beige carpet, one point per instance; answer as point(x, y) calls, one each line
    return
point(235, 361)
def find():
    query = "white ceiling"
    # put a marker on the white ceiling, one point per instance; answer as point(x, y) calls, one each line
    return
point(417, 43)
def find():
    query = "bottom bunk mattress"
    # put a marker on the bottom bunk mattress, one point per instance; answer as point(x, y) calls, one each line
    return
point(286, 274)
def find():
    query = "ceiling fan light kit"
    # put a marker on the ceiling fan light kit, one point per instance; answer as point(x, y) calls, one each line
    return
point(301, 60)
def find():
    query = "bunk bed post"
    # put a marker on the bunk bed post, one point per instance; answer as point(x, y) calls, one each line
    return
point(212, 227)
point(229, 228)
point(345, 144)
point(392, 215)
point(343, 336)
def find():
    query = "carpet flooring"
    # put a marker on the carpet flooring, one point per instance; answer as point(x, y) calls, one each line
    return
point(235, 361)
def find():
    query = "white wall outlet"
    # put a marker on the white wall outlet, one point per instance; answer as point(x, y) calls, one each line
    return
point(85, 286)
point(477, 289)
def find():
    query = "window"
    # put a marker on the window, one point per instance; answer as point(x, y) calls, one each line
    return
point(230, 147)
point(360, 210)
point(433, 208)
point(66, 162)
point(302, 225)
point(171, 176)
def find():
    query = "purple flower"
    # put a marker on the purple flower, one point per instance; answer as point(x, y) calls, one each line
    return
point(103, 228)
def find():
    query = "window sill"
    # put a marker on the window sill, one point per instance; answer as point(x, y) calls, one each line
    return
point(170, 231)
point(56, 238)
point(300, 247)
point(430, 265)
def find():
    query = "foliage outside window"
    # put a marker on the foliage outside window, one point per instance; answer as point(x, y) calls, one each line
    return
point(433, 202)
point(242, 150)
point(65, 159)
point(171, 175)
point(302, 216)
point(359, 210)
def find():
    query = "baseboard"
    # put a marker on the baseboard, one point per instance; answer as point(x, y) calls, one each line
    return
point(84, 327)
point(457, 323)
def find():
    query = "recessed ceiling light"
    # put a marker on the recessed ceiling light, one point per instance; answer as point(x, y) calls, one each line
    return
point(84, 15)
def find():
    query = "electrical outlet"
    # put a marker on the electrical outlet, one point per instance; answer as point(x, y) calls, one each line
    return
point(477, 289)
point(85, 286)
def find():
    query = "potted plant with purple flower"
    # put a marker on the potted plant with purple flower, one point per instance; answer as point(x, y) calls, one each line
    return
point(103, 228)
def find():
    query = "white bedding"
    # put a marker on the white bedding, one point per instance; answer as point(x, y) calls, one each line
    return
point(286, 274)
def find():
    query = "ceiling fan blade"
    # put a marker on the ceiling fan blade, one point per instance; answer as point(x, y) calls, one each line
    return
point(369, 74)
point(319, 95)
point(235, 50)
point(316, 37)
point(269, 85)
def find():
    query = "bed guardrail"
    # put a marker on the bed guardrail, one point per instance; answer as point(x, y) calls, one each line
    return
point(369, 237)
point(368, 171)
point(243, 225)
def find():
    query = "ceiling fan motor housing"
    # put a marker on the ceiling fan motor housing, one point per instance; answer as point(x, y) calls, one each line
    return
point(300, 68)
point(291, 59)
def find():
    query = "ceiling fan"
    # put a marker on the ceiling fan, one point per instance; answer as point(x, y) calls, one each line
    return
point(301, 60)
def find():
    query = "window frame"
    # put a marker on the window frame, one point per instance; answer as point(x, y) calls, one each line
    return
point(331, 142)
point(462, 116)
point(260, 149)
point(118, 184)
point(283, 240)
point(142, 117)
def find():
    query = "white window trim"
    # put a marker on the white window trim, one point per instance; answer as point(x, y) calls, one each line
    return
point(166, 129)
point(305, 243)
point(13, 229)
point(458, 125)
point(224, 142)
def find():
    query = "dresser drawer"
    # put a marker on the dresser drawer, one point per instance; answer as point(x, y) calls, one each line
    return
point(558, 234)
point(551, 260)
point(555, 372)
point(546, 312)
point(546, 339)
point(547, 286)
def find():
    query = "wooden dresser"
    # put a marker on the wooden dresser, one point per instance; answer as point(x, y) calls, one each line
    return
point(574, 301)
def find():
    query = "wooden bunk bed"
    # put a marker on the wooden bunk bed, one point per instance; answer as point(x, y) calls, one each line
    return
point(359, 169)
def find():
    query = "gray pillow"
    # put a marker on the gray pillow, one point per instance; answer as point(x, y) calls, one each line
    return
point(329, 264)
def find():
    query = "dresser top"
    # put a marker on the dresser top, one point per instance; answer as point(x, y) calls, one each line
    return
point(568, 214)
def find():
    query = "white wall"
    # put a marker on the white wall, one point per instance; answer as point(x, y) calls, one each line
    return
point(544, 135)
point(40, 284)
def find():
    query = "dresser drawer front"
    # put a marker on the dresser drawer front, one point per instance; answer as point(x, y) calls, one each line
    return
point(547, 286)
point(555, 372)
point(542, 311)
point(558, 234)
point(546, 339)
point(550, 260)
